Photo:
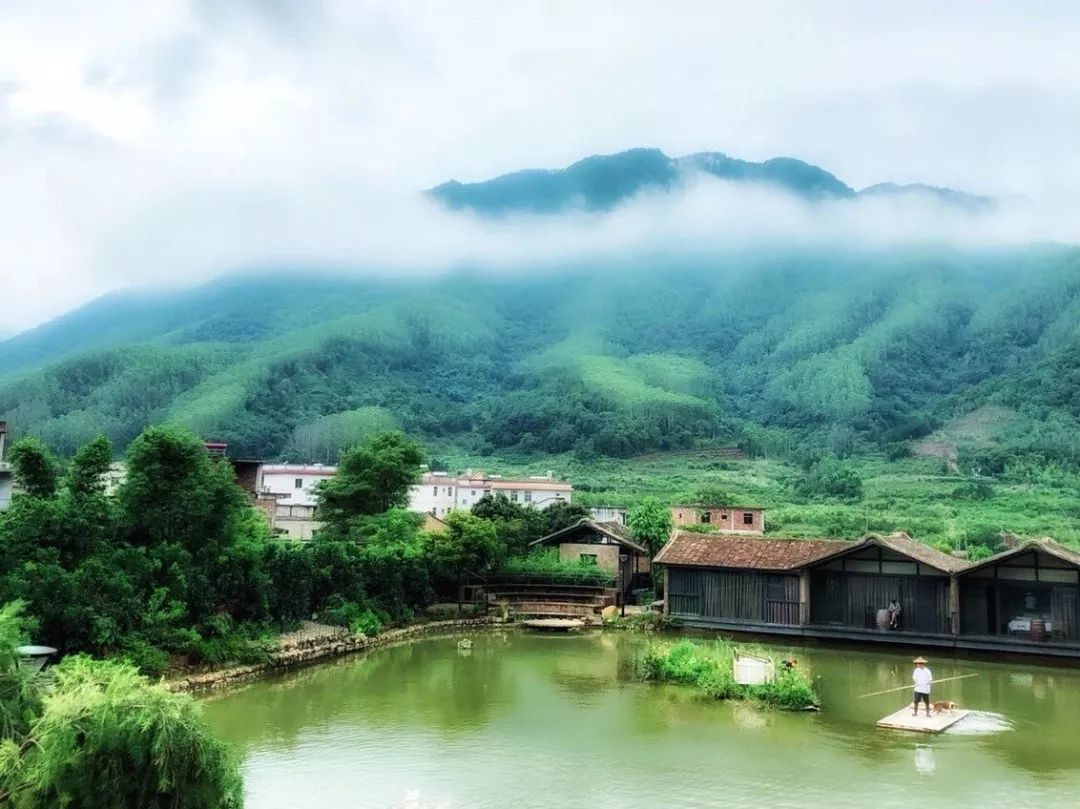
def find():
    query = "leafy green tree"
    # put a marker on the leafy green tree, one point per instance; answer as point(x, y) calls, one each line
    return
point(561, 515)
point(650, 523)
point(35, 467)
point(831, 478)
point(89, 467)
point(470, 546)
point(515, 525)
point(371, 479)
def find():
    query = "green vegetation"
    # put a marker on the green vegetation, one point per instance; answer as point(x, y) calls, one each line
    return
point(829, 354)
point(916, 495)
point(545, 562)
point(99, 734)
point(176, 567)
point(650, 523)
point(711, 668)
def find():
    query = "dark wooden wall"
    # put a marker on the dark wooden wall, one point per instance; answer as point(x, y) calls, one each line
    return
point(736, 595)
point(853, 599)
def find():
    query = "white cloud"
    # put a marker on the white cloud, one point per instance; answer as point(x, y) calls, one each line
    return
point(166, 142)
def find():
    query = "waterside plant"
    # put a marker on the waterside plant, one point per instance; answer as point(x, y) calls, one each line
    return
point(711, 669)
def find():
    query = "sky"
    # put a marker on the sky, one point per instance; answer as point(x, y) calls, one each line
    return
point(169, 142)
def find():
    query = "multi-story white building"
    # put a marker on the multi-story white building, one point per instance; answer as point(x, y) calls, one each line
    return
point(292, 484)
point(438, 493)
point(291, 487)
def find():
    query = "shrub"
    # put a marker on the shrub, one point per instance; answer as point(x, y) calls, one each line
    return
point(546, 562)
point(108, 737)
point(790, 690)
point(368, 623)
point(359, 618)
point(978, 490)
point(148, 659)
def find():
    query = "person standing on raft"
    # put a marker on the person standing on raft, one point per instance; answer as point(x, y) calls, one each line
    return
point(923, 678)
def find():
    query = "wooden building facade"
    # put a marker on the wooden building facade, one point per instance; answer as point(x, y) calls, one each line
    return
point(1031, 592)
point(1026, 599)
point(607, 545)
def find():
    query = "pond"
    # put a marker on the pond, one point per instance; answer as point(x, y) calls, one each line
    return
point(525, 720)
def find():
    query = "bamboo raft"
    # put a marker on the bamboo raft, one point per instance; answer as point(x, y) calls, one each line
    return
point(935, 723)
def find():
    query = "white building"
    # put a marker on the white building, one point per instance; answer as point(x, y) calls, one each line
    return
point(439, 493)
point(292, 488)
point(292, 484)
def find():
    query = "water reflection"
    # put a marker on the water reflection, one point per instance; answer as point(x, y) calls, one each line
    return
point(924, 760)
point(430, 684)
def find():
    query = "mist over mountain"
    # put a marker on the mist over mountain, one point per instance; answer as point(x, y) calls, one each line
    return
point(602, 182)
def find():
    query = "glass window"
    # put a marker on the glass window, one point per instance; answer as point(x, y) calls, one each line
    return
point(748, 518)
point(588, 558)
point(513, 496)
point(528, 497)
point(298, 483)
point(434, 491)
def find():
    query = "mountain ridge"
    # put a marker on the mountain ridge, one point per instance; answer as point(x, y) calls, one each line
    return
point(602, 182)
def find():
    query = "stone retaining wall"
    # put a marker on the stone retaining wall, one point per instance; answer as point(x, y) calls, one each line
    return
point(306, 650)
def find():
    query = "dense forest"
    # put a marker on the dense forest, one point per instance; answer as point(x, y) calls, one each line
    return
point(836, 351)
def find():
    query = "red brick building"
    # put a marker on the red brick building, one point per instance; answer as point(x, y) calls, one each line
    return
point(727, 519)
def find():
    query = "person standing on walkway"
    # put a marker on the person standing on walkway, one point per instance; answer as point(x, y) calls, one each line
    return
point(923, 678)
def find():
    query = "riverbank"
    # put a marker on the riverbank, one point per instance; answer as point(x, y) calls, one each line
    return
point(316, 642)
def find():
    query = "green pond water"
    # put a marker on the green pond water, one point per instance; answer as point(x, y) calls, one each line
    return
point(527, 720)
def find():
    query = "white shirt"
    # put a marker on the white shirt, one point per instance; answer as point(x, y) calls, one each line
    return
point(922, 679)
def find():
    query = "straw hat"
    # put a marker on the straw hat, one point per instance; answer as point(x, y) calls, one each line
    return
point(919, 660)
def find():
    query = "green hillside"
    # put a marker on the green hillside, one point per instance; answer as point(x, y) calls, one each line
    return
point(798, 355)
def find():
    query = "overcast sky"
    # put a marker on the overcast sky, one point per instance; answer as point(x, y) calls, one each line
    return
point(149, 142)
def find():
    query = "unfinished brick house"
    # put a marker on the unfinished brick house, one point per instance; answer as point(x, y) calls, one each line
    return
point(727, 519)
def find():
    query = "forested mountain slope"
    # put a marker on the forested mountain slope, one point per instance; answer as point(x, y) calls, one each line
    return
point(826, 351)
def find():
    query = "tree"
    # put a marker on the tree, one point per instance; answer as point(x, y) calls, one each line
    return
point(469, 547)
point(516, 525)
point(561, 515)
point(35, 467)
point(107, 737)
point(650, 523)
point(831, 478)
point(89, 468)
point(371, 479)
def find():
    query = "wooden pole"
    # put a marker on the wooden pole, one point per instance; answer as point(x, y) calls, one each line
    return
point(908, 687)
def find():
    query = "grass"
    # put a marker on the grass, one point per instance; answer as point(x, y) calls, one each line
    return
point(915, 495)
point(711, 669)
